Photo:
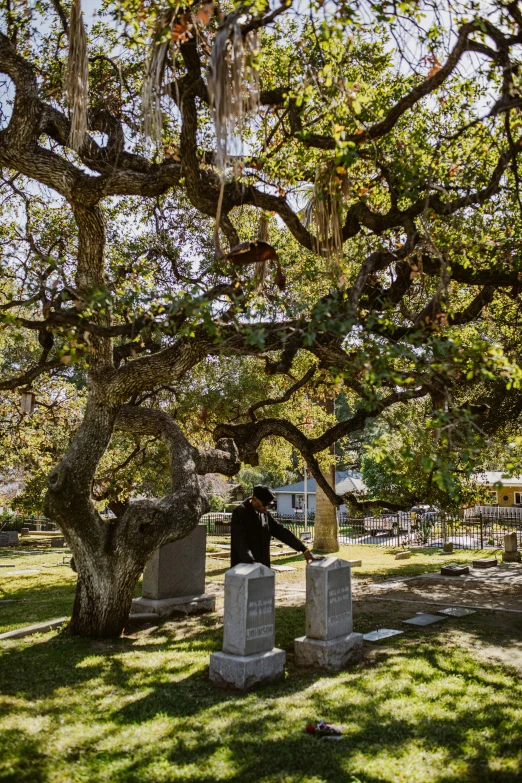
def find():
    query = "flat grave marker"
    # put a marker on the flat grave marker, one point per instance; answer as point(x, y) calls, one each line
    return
point(485, 562)
point(381, 633)
point(424, 619)
point(457, 611)
point(454, 570)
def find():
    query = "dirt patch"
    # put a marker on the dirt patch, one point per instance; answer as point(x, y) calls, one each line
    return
point(487, 594)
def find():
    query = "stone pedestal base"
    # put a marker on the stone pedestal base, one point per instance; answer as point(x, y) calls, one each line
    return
point(245, 672)
point(511, 557)
point(334, 655)
point(164, 607)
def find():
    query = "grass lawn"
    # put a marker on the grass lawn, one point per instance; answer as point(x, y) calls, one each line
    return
point(433, 705)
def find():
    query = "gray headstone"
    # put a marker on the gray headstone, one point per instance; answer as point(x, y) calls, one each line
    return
point(510, 542)
point(328, 599)
point(13, 537)
point(424, 619)
point(177, 569)
point(4, 539)
point(249, 609)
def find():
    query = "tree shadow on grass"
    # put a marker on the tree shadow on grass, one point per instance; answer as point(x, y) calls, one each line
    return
point(419, 698)
point(33, 605)
point(21, 758)
point(260, 740)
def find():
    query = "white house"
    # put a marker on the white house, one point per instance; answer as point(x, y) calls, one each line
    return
point(290, 499)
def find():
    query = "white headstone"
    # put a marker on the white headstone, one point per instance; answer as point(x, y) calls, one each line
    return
point(328, 599)
point(249, 658)
point(249, 609)
point(329, 642)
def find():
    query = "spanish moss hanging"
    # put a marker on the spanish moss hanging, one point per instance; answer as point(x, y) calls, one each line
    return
point(77, 79)
point(152, 90)
point(233, 84)
point(324, 210)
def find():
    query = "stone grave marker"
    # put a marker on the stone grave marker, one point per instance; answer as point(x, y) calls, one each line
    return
point(403, 555)
point(329, 642)
point(424, 619)
point(454, 570)
point(457, 611)
point(249, 658)
point(381, 633)
point(13, 537)
point(485, 562)
point(511, 553)
point(4, 539)
point(174, 578)
point(448, 548)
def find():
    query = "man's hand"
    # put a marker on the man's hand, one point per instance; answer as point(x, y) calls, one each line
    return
point(310, 557)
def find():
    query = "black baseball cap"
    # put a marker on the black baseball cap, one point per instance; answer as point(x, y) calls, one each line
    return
point(264, 494)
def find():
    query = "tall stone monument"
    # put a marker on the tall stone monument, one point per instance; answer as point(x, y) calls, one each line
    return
point(329, 642)
point(511, 553)
point(174, 578)
point(249, 658)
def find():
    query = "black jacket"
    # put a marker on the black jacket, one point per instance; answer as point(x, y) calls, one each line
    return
point(251, 533)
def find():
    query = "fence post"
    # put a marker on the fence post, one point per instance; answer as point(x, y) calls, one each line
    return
point(481, 530)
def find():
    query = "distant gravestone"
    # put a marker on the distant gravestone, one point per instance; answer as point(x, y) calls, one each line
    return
point(454, 570)
point(249, 658)
point(486, 562)
point(511, 553)
point(57, 542)
point(4, 539)
point(174, 578)
point(448, 548)
point(13, 537)
point(329, 642)
point(24, 531)
point(403, 555)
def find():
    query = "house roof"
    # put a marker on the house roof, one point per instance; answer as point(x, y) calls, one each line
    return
point(490, 477)
point(345, 481)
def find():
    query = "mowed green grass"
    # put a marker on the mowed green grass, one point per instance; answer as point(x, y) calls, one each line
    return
point(426, 706)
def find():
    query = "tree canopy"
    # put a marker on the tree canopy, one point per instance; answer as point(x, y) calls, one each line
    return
point(216, 215)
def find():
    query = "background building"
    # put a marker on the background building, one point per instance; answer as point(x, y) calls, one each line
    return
point(509, 495)
point(290, 499)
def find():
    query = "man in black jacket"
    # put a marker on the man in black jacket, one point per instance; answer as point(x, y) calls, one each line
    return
point(253, 526)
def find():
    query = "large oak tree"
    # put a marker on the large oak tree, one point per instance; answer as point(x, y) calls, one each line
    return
point(359, 162)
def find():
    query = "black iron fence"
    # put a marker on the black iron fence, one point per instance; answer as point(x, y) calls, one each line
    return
point(480, 528)
point(19, 521)
point(470, 529)
point(218, 524)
